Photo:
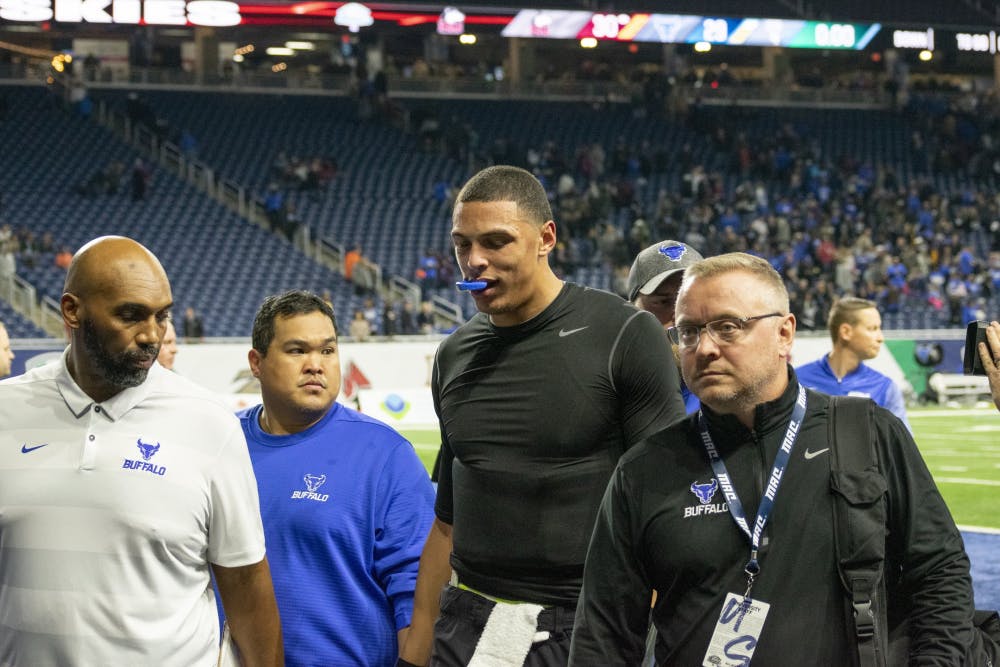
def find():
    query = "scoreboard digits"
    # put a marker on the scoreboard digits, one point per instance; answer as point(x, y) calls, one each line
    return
point(715, 30)
point(835, 35)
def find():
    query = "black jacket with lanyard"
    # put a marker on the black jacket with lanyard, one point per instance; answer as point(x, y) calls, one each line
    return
point(654, 533)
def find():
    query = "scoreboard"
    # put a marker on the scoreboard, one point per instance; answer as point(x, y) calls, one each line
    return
point(981, 42)
point(680, 28)
point(512, 22)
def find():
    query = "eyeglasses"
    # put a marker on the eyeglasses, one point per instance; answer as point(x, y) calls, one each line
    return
point(726, 331)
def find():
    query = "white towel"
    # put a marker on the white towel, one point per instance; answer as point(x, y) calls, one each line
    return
point(509, 633)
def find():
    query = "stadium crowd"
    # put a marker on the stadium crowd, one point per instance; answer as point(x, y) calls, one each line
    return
point(825, 226)
point(921, 235)
point(830, 224)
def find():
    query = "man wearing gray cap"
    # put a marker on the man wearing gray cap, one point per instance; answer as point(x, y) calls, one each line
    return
point(653, 282)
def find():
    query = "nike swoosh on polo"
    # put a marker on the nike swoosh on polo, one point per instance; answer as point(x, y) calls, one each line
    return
point(563, 332)
point(812, 455)
point(25, 449)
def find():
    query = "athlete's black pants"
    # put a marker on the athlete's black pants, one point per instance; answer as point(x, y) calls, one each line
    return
point(463, 617)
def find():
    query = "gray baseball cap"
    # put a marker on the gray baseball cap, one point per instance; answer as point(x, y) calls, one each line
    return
point(657, 263)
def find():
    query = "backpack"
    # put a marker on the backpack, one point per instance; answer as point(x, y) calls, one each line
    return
point(859, 520)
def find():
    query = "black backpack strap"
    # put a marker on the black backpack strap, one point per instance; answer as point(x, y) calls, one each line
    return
point(859, 520)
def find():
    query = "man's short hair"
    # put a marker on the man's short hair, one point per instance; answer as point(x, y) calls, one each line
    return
point(741, 261)
point(845, 311)
point(293, 302)
point(506, 183)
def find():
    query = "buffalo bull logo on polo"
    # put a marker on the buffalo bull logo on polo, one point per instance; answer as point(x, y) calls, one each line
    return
point(147, 450)
point(313, 482)
point(705, 492)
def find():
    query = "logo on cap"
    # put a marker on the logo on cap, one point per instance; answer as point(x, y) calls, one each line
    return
point(673, 252)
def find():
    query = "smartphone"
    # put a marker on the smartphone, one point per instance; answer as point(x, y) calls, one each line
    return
point(974, 335)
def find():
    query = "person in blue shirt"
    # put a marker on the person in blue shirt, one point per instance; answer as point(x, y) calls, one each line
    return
point(856, 330)
point(653, 283)
point(346, 502)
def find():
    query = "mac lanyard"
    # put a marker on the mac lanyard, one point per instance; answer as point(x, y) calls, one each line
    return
point(752, 567)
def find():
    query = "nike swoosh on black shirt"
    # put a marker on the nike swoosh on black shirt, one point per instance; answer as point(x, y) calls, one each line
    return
point(563, 332)
point(812, 455)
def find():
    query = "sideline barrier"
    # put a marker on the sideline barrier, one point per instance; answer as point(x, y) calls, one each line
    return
point(957, 387)
point(401, 365)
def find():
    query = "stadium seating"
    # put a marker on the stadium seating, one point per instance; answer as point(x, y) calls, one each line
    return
point(17, 325)
point(218, 263)
point(382, 196)
point(385, 195)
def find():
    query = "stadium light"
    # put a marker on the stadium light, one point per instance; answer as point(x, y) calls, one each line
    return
point(703, 47)
point(467, 39)
point(279, 51)
point(354, 16)
point(588, 42)
point(301, 46)
point(926, 55)
point(451, 22)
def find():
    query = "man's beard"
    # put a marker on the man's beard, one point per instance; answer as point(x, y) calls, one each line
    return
point(117, 370)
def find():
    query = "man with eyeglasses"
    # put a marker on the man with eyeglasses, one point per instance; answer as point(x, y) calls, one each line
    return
point(729, 513)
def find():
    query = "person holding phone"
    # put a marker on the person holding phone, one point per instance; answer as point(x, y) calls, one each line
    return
point(989, 354)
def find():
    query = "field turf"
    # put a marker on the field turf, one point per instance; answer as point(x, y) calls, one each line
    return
point(961, 448)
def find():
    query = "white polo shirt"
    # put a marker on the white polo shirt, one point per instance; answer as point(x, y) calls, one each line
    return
point(110, 514)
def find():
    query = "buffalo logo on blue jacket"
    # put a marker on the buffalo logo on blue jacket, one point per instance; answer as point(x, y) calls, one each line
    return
point(313, 482)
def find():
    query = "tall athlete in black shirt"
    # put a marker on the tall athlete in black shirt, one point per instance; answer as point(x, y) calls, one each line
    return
point(537, 396)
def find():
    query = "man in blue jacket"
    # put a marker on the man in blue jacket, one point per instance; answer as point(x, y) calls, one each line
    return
point(345, 500)
point(856, 330)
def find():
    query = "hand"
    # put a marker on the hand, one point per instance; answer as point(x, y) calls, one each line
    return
point(989, 353)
